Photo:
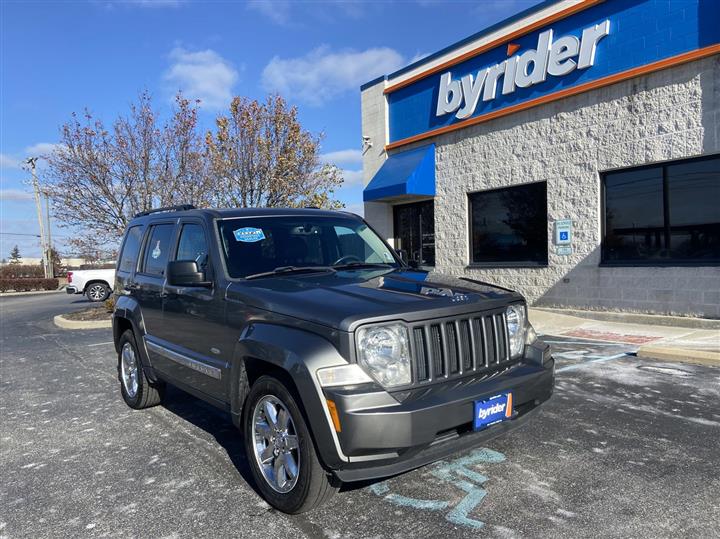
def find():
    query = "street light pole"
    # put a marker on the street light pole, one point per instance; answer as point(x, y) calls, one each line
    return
point(36, 189)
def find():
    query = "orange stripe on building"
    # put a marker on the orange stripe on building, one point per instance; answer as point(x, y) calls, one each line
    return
point(592, 85)
point(562, 14)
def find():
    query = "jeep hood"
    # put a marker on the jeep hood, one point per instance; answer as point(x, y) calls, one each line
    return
point(346, 299)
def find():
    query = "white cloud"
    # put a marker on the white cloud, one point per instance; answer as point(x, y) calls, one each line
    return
point(7, 161)
point(15, 194)
point(156, 3)
point(342, 157)
point(358, 208)
point(277, 12)
point(41, 149)
point(352, 178)
point(203, 75)
point(323, 74)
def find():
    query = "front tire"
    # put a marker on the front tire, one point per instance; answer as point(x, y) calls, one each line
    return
point(136, 389)
point(97, 292)
point(280, 450)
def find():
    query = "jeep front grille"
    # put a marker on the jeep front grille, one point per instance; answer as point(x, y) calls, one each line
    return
point(450, 348)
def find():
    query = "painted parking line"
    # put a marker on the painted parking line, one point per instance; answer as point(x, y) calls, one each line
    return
point(585, 343)
point(100, 344)
point(590, 361)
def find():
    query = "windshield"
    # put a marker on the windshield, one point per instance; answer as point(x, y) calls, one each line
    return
point(262, 244)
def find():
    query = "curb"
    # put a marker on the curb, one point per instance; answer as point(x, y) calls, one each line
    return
point(31, 293)
point(680, 355)
point(635, 318)
point(62, 322)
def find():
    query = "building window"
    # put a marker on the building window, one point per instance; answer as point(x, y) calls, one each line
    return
point(508, 227)
point(663, 214)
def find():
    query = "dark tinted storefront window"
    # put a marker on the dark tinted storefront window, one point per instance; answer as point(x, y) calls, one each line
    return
point(509, 226)
point(665, 214)
point(415, 231)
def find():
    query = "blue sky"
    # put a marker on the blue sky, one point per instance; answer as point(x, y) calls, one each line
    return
point(60, 57)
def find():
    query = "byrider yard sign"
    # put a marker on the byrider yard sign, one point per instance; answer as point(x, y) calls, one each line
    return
point(520, 71)
point(598, 44)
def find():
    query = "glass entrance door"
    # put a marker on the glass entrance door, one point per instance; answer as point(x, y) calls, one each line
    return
point(415, 231)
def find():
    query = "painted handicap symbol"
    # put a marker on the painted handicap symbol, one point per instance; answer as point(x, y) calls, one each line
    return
point(457, 473)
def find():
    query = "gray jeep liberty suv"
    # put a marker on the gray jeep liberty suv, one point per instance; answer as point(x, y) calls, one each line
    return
point(337, 360)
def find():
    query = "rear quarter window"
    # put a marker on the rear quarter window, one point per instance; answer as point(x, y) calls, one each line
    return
point(131, 249)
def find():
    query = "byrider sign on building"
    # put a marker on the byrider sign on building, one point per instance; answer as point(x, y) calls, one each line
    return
point(600, 115)
point(519, 71)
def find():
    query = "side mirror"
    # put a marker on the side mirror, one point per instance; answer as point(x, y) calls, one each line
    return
point(186, 273)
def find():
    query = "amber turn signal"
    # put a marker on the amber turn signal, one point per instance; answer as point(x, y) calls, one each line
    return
point(334, 415)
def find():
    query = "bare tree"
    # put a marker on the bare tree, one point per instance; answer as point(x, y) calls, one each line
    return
point(100, 178)
point(261, 156)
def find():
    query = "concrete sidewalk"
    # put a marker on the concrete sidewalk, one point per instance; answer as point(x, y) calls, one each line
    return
point(653, 340)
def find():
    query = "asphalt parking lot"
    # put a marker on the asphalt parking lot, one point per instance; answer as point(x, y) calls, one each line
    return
point(626, 447)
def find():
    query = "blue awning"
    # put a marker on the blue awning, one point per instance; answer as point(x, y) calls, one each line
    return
point(406, 173)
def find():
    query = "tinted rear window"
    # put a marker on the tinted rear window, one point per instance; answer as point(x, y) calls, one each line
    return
point(131, 248)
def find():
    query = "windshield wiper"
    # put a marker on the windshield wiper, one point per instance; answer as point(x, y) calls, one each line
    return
point(283, 270)
point(355, 265)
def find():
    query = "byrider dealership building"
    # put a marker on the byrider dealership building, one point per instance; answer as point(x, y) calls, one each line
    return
point(571, 152)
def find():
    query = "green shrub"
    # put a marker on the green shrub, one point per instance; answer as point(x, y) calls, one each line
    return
point(26, 284)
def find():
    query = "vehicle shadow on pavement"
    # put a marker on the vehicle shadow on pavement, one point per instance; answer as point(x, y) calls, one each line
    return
point(219, 425)
point(215, 422)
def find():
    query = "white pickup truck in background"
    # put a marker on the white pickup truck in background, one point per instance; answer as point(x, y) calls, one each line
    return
point(96, 284)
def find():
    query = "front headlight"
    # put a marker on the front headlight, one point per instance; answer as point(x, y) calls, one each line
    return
point(515, 316)
point(384, 353)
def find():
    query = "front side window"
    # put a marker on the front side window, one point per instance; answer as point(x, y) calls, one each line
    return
point(261, 244)
point(157, 249)
point(509, 226)
point(131, 249)
point(664, 214)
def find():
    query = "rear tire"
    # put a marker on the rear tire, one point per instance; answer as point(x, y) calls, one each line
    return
point(97, 292)
point(136, 389)
point(291, 478)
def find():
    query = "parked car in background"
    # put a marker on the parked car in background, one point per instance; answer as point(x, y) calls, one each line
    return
point(96, 284)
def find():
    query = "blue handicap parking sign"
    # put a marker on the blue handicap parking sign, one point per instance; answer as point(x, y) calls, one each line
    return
point(564, 235)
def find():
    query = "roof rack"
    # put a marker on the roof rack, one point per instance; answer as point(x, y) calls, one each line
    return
point(179, 207)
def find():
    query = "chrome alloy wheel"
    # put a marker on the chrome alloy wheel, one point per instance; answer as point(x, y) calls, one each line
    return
point(129, 370)
point(97, 292)
point(276, 443)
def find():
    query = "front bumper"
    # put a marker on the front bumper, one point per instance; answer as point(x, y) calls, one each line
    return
point(384, 435)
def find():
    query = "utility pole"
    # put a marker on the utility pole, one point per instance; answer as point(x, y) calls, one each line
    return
point(51, 269)
point(36, 189)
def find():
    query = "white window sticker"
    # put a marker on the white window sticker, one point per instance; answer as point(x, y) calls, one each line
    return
point(156, 252)
point(249, 234)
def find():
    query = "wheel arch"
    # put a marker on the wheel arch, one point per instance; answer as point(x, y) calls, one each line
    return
point(127, 315)
point(293, 356)
point(93, 281)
